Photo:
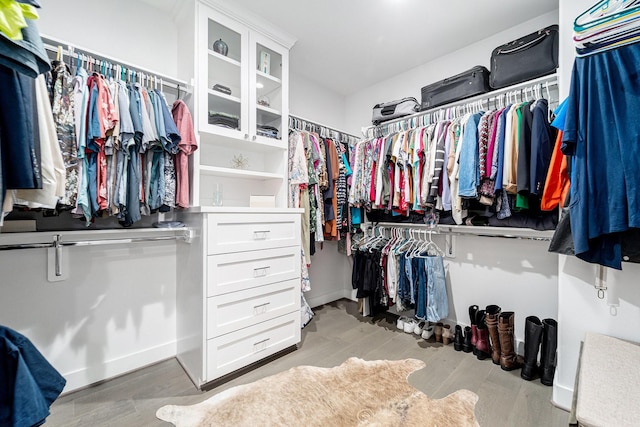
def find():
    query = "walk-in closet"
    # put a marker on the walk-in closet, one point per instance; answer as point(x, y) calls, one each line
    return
point(387, 212)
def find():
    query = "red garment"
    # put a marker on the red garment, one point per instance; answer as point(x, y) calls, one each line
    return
point(556, 186)
point(187, 145)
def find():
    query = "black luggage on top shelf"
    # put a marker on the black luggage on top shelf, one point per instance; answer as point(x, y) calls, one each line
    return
point(469, 83)
point(534, 55)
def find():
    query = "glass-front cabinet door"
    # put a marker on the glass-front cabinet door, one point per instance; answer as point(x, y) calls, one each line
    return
point(268, 85)
point(224, 92)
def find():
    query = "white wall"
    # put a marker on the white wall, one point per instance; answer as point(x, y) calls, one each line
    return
point(130, 31)
point(359, 105)
point(330, 270)
point(580, 311)
point(114, 313)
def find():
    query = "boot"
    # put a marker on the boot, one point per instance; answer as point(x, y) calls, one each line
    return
point(473, 310)
point(466, 345)
point(458, 339)
point(437, 331)
point(447, 334)
point(532, 336)
point(509, 360)
point(483, 349)
point(548, 351)
point(492, 313)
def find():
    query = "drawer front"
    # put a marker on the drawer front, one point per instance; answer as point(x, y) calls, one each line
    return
point(235, 272)
point(237, 310)
point(247, 232)
point(233, 351)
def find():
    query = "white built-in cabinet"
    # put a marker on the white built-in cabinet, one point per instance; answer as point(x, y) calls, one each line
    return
point(238, 291)
point(238, 153)
point(238, 280)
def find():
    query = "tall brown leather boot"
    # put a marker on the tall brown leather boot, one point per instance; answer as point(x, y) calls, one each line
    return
point(492, 313)
point(509, 360)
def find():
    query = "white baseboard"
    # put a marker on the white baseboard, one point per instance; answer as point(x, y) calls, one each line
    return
point(116, 367)
point(319, 300)
point(562, 396)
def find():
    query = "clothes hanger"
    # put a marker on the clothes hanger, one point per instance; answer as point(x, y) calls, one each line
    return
point(604, 12)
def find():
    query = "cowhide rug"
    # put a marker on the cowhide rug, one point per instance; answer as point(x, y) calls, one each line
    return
point(356, 393)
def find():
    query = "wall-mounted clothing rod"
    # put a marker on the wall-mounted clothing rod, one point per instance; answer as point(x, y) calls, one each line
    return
point(57, 243)
point(299, 123)
point(542, 86)
point(461, 230)
point(108, 64)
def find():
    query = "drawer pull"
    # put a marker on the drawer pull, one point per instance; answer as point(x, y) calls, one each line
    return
point(260, 271)
point(260, 308)
point(260, 345)
point(260, 234)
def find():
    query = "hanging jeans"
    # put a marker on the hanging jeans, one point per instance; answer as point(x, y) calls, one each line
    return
point(408, 268)
point(437, 300)
point(404, 287)
point(421, 279)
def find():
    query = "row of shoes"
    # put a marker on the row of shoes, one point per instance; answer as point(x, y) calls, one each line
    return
point(491, 335)
point(441, 331)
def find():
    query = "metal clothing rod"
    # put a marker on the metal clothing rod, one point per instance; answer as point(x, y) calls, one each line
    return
point(71, 50)
point(57, 242)
point(546, 81)
point(314, 123)
point(519, 233)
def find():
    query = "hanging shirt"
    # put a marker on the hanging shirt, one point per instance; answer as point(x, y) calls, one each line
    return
point(187, 146)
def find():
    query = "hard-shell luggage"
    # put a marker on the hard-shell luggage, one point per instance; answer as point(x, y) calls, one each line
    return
point(469, 83)
point(394, 109)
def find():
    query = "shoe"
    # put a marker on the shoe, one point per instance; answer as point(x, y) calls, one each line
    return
point(480, 316)
point(509, 360)
point(458, 339)
point(427, 332)
point(466, 345)
point(491, 320)
point(437, 330)
point(400, 322)
point(419, 327)
point(548, 351)
point(532, 336)
point(409, 326)
point(473, 310)
point(447, 334)
point(483, 349)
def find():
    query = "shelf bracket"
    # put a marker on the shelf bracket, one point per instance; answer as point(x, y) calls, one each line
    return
point(450, 246)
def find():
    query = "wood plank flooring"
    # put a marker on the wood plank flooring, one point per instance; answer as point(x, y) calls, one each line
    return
point(336, 333)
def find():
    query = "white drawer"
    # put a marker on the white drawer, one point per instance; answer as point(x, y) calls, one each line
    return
point(237, 310)
point(246, 232)
point(244, 270)
point(233, 351)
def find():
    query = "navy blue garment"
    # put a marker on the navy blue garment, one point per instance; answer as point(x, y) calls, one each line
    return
point(132, 214)
point(91, 152)
point(602, 132)
point(18, 131)
point(420, 276)
point(524, 150)
point(28, 382)
point(26, 56)
point(541, 147)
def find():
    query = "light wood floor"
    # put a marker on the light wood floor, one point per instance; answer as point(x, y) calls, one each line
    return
point(336, 333)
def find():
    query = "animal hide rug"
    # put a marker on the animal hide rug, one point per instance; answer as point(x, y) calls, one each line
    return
point(356, 393)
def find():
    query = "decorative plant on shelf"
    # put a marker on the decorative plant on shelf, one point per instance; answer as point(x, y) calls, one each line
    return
point(239, 162)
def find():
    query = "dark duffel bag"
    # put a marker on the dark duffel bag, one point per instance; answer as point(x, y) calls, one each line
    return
point(528, 57)
point(472, 82)
point(394, 109)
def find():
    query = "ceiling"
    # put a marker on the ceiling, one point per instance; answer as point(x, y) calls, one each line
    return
point(347, 45)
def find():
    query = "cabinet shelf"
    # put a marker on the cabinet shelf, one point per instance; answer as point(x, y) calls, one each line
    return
point(269, 77)
point(260, 144)
point(238, 173)
point(224, 96)
point(269, 112)
point(223, 58)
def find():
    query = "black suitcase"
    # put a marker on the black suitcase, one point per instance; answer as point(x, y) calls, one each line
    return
point(472, 82)
point(534, 55)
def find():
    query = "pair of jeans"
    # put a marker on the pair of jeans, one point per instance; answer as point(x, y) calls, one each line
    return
point(421, 278)
point(437, 299)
